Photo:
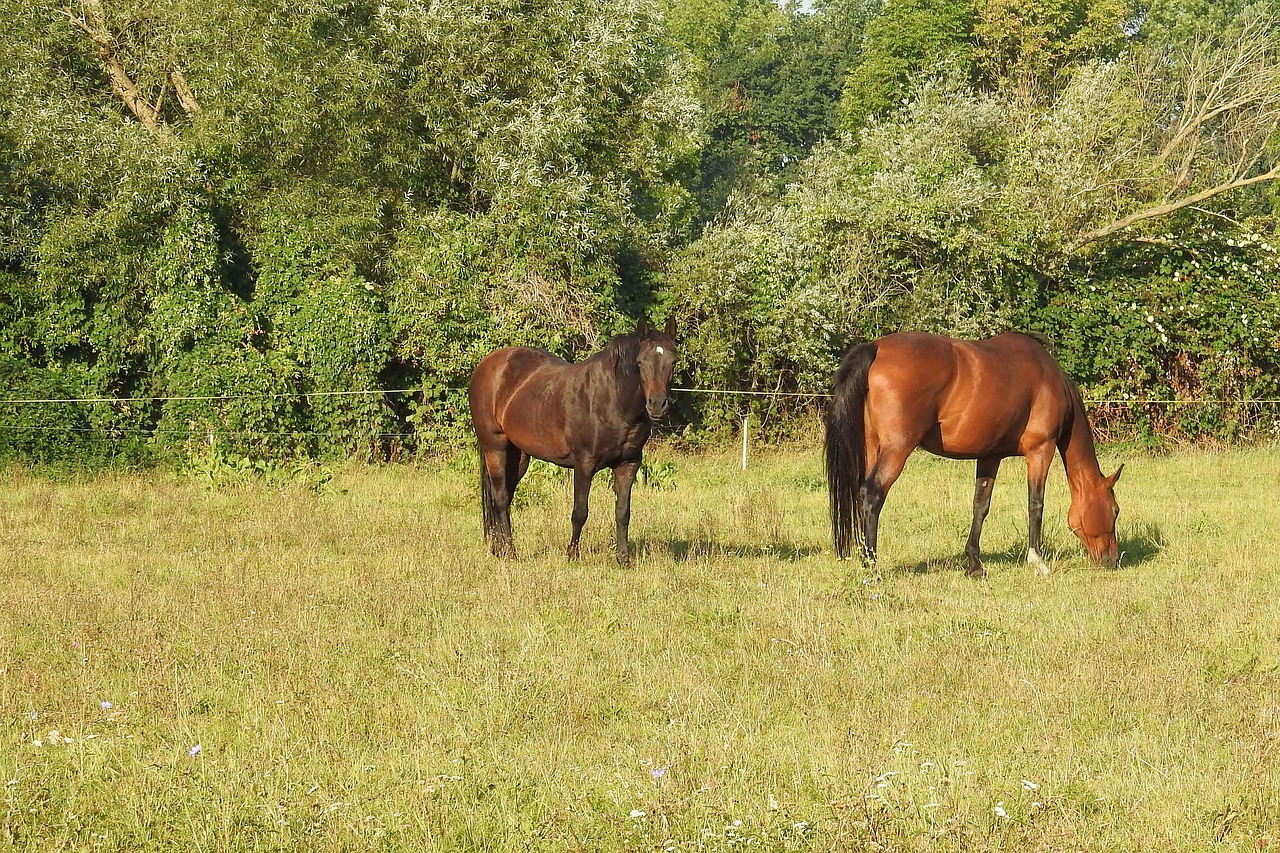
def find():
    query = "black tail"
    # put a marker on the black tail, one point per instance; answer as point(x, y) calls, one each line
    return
point(488, 511)
point(847, 446)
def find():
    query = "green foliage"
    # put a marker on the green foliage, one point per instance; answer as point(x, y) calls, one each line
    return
point(658, 475)
point(1173, 323)
point(56, 436)
point(339, 336)
point(218, 468)
point(1174, 24)
point(905, 40)
point(957, 215)
point(1031, 42)
point(290, 210)
point(268, 238)
point(227, 394)
point(772, 84)
point(755, 315)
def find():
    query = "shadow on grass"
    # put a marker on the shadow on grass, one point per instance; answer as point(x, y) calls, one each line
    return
point(956, 563)
point(683, 550)
point(1144, 543)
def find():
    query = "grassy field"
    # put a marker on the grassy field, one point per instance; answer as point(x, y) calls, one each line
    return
point(254, 667)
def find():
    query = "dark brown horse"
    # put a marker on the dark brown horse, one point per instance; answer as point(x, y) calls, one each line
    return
point(588, 416)
point(983, 400)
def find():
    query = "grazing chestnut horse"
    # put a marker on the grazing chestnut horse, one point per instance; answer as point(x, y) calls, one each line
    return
point(588, 416)
point(983, 400)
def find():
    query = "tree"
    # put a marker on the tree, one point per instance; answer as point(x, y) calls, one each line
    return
point(906, 40)
point(771, 81)
point(1169, 24)
point(1213, 111)
point(225, 195)
point(1029, 43)
point(1113, 217)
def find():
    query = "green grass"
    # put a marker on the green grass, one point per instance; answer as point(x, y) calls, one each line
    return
point(360, 674)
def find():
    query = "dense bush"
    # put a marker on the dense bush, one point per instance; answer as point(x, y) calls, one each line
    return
point(957, 215)
point(296, 209)
point(755, 317)
point(61, 436)
point(1172, 323)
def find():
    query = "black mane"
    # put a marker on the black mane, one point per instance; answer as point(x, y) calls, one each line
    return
point(622, 353)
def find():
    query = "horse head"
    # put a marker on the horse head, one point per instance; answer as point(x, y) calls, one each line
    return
point(1092, 518)
point(656, 357)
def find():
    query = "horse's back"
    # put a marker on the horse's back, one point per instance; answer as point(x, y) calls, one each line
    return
point(506, 373)
point(1007, 363)
point(967, 398)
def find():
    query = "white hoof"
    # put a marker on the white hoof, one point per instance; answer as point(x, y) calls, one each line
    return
point(1037, 563)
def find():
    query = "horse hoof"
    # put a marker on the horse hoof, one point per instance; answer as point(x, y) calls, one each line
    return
point(503, 552)
point(572, 552)
point(975, 572)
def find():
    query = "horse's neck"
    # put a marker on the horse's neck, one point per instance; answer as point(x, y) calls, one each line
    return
point(1079, 456)
point(623, 390)
point(630, 397)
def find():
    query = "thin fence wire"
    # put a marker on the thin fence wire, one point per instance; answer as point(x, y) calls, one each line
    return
point(112, 434)
point(213, 397)
point(721, 391)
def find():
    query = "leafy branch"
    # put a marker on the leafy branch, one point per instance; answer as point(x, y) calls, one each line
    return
point(1216, 125)
point(92, 21)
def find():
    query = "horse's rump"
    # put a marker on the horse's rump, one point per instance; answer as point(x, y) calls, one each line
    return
point(518, 393)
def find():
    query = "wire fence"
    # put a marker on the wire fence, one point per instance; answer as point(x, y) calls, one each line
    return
point(1134, 401)
point(135, 433)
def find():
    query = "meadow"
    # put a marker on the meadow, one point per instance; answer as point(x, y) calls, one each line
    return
point(195, 663)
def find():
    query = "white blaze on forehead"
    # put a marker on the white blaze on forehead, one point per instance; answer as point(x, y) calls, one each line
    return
point(659, 350)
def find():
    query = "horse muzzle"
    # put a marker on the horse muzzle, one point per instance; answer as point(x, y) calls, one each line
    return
point(657, 408)
point(1106, 555)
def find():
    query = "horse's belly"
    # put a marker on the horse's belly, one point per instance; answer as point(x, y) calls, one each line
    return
point(539, 438)
point(971, 444)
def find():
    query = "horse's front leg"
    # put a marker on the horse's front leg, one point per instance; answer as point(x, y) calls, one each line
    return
point(1037, 472)
point(624, 477)
point(987, 469)
point(582, 474)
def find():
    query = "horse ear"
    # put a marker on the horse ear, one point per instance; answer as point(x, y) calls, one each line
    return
point(1114, 478)
point(670, 330)
point(642, 328)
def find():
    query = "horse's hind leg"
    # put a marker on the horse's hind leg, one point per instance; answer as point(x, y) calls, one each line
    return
point(885, 471)
point(502, 470)
point(987, 469)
